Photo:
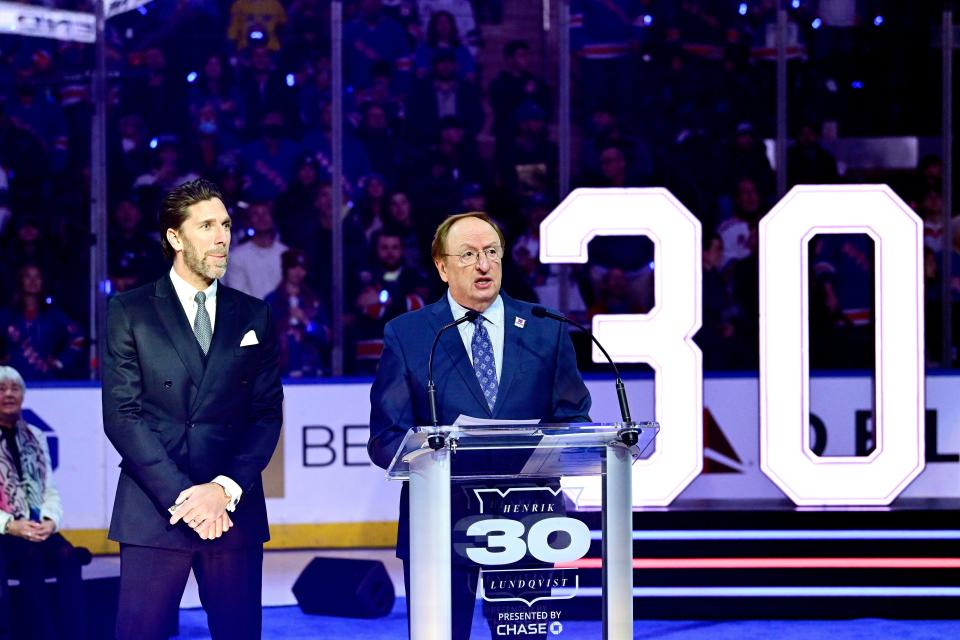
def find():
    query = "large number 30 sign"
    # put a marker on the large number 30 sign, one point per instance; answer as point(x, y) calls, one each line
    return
point(663, 338)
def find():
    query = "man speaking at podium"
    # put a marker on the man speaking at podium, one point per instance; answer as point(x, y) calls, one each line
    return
point(506, 365)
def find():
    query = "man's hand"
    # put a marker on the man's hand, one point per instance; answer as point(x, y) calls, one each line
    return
point(29, 530)
point(211, 530)
point(200, 503)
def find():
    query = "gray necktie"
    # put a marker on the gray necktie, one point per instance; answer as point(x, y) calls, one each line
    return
point(201, 324)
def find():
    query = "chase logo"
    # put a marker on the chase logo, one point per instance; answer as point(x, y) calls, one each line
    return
point(53, 443)
point(556, 627)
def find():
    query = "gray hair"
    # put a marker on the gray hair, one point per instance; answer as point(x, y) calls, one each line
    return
point(9, 374)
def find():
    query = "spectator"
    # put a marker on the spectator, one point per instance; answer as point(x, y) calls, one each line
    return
point(716, 336)
point(318, 143)
point(133, 256)
point(460, 11)
point(255, 265)
point(472, 198)
point(36, 111)
point(300, 319)
point(929, 175)
point(931, 210)
point(387, 290)
point(216, 88)
point(514, 86)
point(382, 91)
point(30, 513)
point(435, 190)
point(155, 95)
point(168, 168)
point(400, 221)
point(615, 295)
point(748, 159)
point(131, 156)
point(256, 21)
point(36, 337)
point(526, 250)
point(230, 180)
point(316, 239)
point(442, 94)
point(382, 146)
point(25, 161)
point(735, 231)
point(371, 37)
point(442, 34)
point(602, 35)
point(264, 90)
point(308, 34)
point(841, 318)
point(211, 147)
point(605, 132)
point(527, 163)
point(314, 94)
point(367, 216)
point(745, 294)
point(459, 151)
point(270, 162)
point(808, 162)
point(29, 244)
point(615, 168)
point(294, 215)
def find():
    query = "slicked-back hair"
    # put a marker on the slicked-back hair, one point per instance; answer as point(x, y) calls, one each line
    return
point(439, 246)
point(174, 208)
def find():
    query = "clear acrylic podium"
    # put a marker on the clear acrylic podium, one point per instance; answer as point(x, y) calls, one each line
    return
point(515, 452)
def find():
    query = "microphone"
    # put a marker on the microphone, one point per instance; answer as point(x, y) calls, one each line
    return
point(436, 441)
point(628, 434)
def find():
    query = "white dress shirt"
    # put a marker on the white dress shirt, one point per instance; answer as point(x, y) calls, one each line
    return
point(492, 321)
point(186, 293)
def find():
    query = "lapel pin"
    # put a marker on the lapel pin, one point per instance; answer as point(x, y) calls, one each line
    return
point(518, 322)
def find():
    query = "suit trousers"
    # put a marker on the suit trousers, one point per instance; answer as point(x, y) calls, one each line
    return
point(152, 581)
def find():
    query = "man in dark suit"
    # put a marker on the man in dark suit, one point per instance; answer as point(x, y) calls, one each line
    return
point(192, 402)
point(509, 365)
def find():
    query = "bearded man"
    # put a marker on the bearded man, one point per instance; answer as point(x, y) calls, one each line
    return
point(192, 402)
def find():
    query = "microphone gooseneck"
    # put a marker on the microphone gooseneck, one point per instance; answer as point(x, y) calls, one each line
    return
point(628, 434)
point(436, 441)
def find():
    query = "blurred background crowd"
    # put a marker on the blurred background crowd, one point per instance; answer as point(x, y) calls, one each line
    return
point(451, 106)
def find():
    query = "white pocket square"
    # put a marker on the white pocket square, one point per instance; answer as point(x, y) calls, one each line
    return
point(249, 339)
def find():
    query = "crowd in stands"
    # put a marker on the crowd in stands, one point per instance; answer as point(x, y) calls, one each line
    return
point(674, 94)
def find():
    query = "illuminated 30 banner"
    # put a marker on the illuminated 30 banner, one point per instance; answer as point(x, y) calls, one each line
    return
point(785, 452)
point(663, 337)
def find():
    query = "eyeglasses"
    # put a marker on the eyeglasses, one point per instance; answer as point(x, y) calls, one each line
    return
point(471, 257)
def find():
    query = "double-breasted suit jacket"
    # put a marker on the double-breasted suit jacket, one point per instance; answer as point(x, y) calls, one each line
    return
point(179, 418)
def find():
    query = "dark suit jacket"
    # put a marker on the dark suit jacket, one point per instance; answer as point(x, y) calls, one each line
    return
point(177, 423)
point(539, 379)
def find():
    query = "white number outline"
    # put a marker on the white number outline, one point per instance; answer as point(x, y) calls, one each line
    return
point(785, 373)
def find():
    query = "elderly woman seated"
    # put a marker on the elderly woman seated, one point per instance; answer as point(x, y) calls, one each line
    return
point(30, 513)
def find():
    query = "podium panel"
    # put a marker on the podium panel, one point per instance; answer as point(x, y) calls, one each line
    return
point(489, 522)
